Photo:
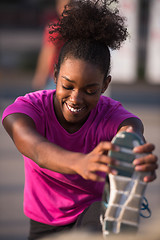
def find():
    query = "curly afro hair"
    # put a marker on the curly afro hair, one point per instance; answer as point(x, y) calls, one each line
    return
point(89, 28)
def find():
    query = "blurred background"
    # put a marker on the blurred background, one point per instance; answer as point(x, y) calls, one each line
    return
point(135, 82)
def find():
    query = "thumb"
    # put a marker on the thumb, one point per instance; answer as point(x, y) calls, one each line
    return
point(129, 129)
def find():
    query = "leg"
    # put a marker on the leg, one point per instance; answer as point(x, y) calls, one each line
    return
point(39, 230)
point(90, 218)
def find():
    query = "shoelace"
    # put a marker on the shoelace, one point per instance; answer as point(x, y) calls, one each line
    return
point(145, 207)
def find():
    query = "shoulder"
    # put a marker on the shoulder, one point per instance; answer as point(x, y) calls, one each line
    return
point(32, 104)
point(112, 114)
point(107, 104)
point(38, 97)
point(39, 101)
point(111, 107)
point(112, 111)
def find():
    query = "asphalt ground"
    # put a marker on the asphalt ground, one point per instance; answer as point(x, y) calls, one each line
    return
point(141, 100)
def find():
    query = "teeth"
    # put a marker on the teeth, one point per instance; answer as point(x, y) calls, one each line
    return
point(73, 109)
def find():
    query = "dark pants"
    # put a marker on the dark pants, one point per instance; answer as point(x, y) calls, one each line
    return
point(89, 220)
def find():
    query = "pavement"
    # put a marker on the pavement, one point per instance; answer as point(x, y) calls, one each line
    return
point(141, 100)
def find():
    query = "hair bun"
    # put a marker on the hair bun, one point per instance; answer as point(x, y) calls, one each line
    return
point(92, 20)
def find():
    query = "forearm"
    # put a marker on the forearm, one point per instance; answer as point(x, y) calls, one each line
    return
point(46, 154)
point(30, 143)
point(55, 158)
point(43, 67)
point(41, 74)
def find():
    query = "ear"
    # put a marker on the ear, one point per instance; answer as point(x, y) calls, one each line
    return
point(106, 82)
point(55, 74)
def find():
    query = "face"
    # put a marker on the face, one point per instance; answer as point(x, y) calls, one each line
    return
point(79, 86)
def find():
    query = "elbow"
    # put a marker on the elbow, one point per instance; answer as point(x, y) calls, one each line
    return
point(41, 157)
point(41, 163)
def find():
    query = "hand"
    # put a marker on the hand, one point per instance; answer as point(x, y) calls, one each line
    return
point(148, 161)
point(97, 161)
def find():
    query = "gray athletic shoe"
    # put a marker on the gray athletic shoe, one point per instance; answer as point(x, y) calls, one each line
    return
point(126, 189)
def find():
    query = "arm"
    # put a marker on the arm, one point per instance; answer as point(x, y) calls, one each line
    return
point(146, 163)
point(43, 66)
point(135, 123)
point(30, 143)
point(47, 155)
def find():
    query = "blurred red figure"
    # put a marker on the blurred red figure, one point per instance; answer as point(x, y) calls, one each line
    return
point(43, 77)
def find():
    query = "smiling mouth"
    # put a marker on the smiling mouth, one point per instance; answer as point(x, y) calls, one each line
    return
point(74, 110)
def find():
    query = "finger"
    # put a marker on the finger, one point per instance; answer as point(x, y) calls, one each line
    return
point(146, 167)
point(146, 148)
point(150, 177)
point(150, 158)
point(105, 146)
point(130, 129)
point(94, 177)
point(96, 167)
point(106, 159)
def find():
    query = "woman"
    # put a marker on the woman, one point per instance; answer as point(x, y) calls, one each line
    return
point(65, 134)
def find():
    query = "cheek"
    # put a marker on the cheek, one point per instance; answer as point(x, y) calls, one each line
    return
point(93, 101)
point(59, 92)
point(59, 97)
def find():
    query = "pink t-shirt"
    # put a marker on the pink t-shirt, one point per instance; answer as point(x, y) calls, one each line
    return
point(54, 198)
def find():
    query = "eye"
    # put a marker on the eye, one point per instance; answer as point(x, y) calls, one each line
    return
point(67, 87)
point(91, 91)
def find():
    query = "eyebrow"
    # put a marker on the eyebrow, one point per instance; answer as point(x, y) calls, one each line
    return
point(72, 81)
point(68, 79)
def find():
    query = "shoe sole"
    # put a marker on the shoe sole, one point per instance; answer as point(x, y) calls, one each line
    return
point(126, 189)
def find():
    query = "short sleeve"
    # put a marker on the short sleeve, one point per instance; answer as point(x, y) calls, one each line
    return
point(30, 105)
point(113, 120)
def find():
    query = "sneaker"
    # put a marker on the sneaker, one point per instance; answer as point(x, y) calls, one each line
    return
point(127, 188)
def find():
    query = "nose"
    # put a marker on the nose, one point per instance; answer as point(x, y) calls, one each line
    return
point(76, 97)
